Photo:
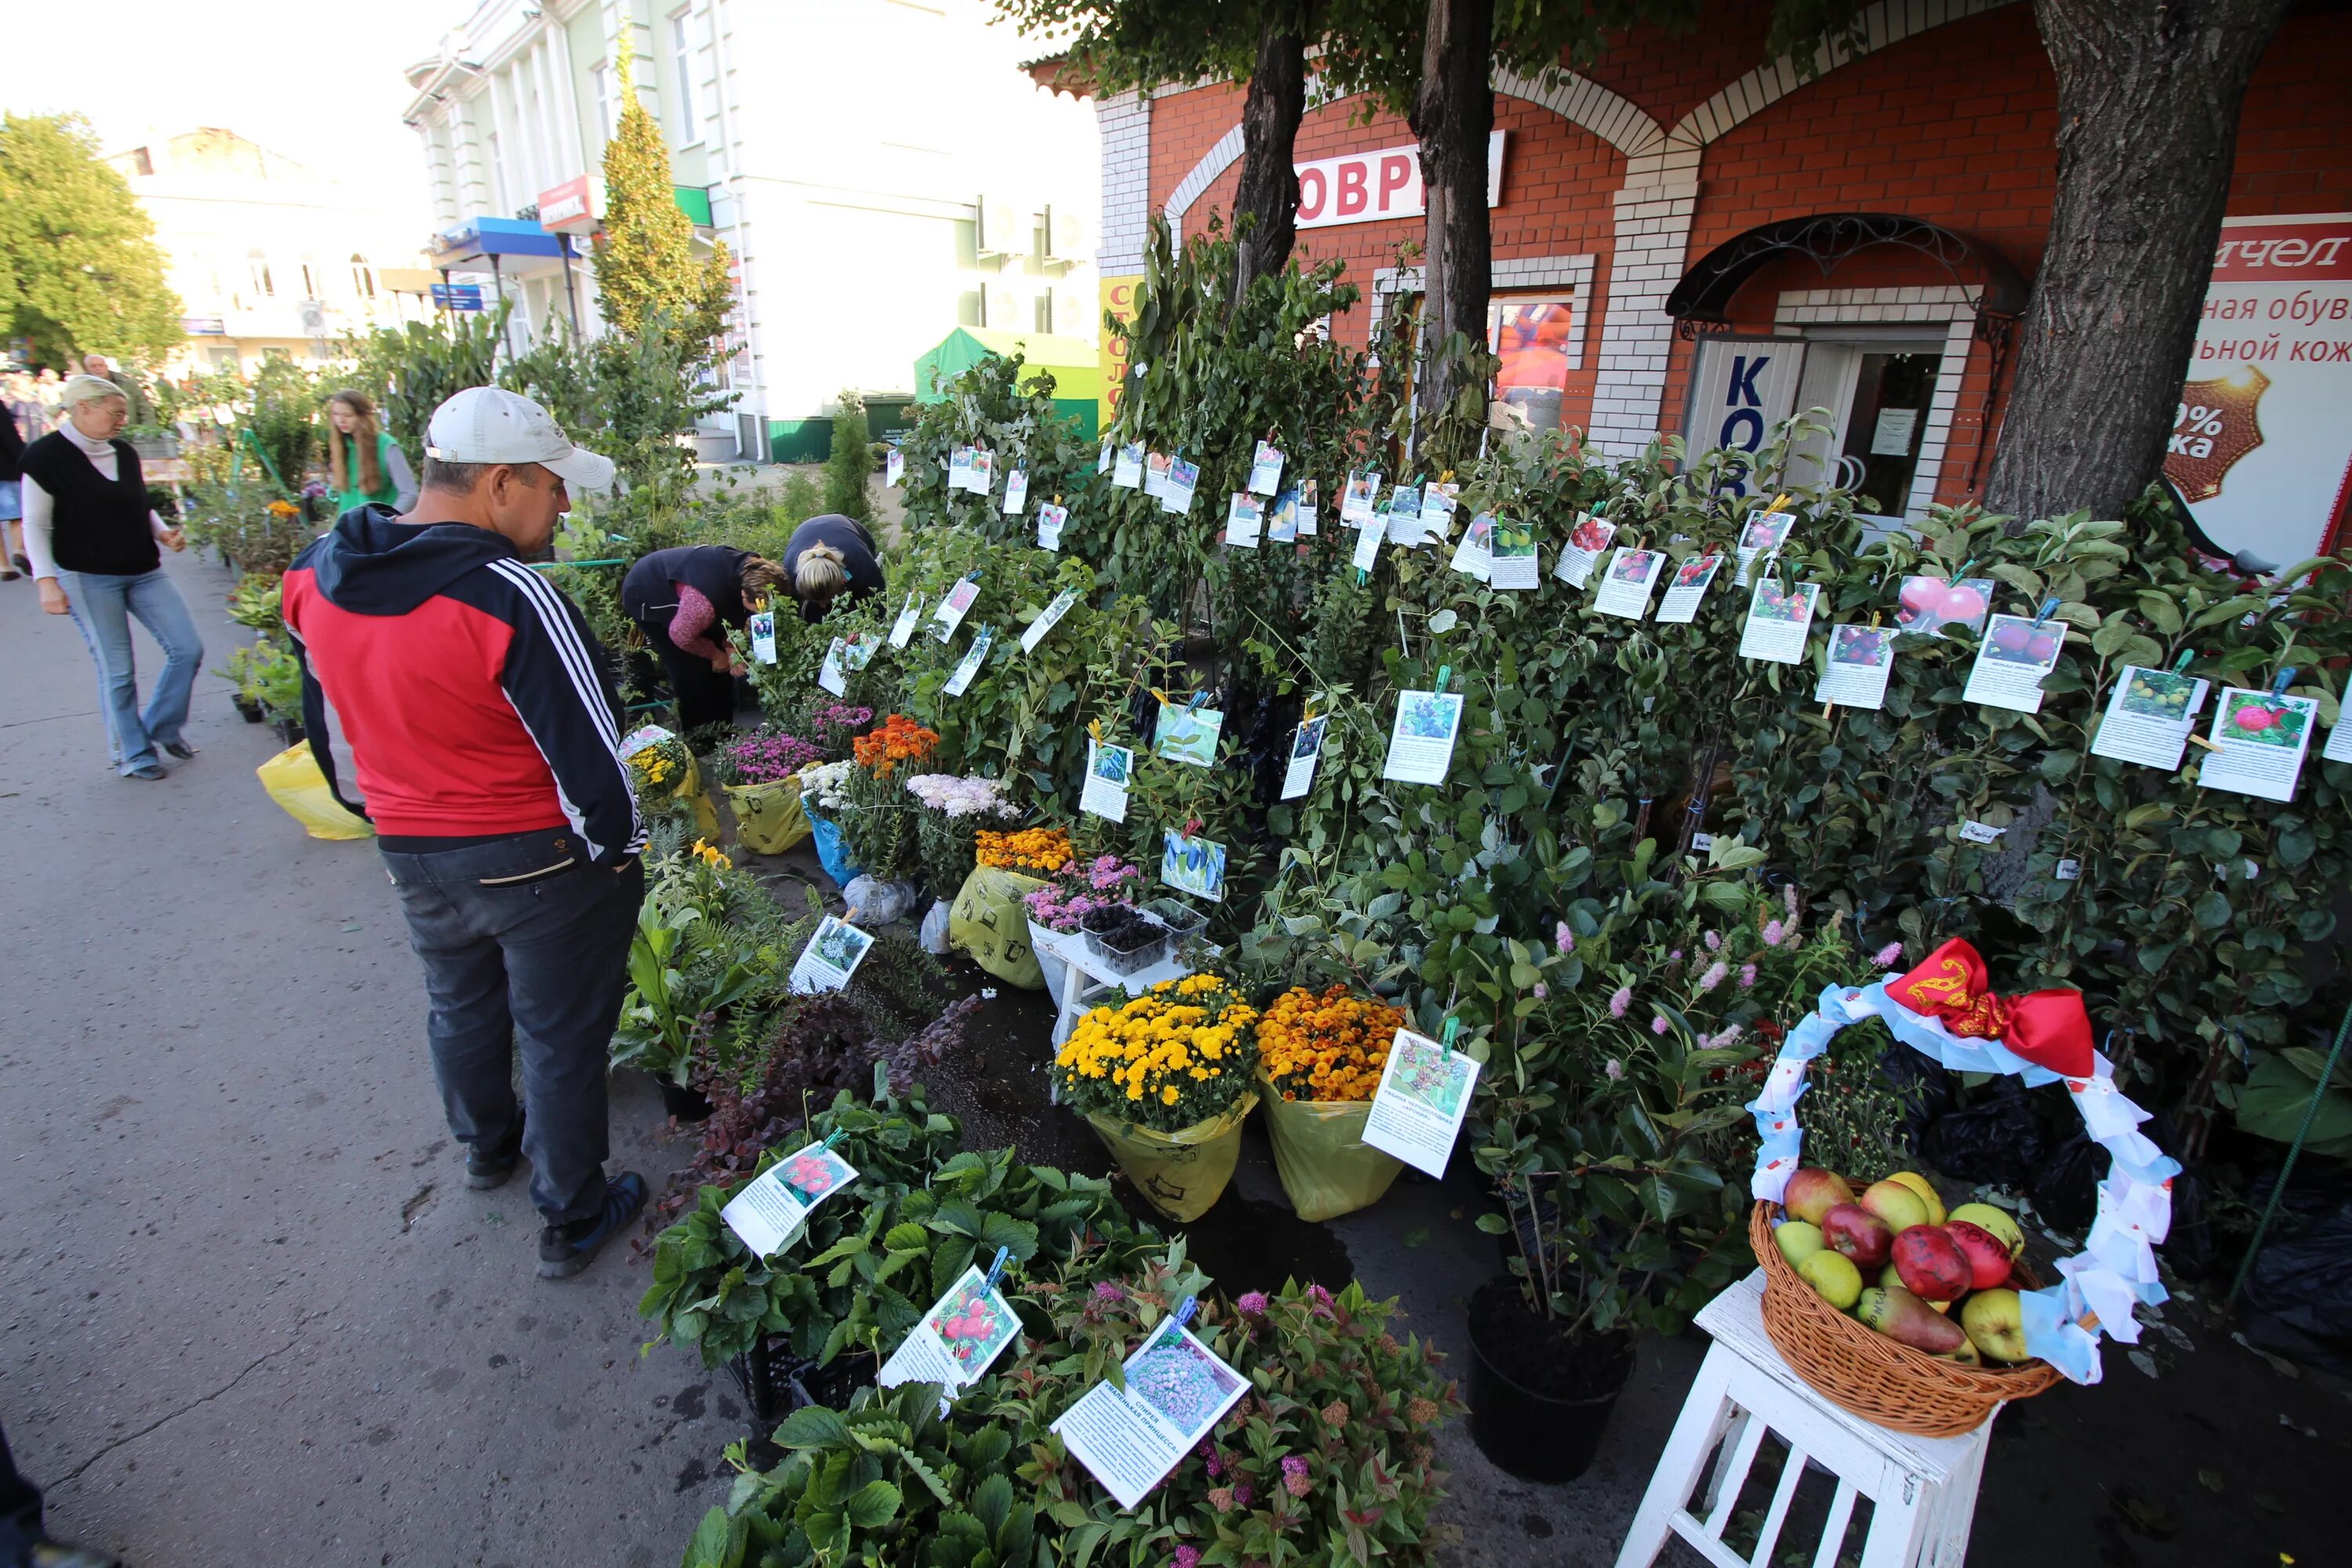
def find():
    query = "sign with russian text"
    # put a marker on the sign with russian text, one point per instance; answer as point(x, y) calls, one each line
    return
point(2261, 448)
point(1366, 187)
point(1740, 388)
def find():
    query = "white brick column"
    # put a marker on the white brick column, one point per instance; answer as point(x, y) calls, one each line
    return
point(1126, 124)
point(1654, 225)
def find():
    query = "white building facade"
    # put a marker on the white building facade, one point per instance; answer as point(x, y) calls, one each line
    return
point(880, 171)
point(268, 254)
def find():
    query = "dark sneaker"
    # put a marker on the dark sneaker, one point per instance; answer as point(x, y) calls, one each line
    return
point(488, 1165)
point(149, 772)
point(565, 1250)
point(180, 749)
point(57, 1554)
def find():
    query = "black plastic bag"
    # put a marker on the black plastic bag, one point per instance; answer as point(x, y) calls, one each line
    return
point(1997, 1139)
point(2064, 1186)
point(1926, 1088)
point(2303, 1278)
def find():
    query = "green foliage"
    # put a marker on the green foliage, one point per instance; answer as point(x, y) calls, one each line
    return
point(280, 431)
point(79, 268)
point(268, 674)
point(411, 370)
point(645, 267)
point(851, 462)
point(997, 408)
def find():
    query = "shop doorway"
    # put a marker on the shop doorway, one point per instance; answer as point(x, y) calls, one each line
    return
point(1878, 390)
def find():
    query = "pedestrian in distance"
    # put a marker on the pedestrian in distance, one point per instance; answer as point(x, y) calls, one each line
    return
point(91, 540)
point(13, 563)
point(365, 466)
point(134, 393)
point(828, 557)
point(24, 1541)
point(686, 599)
point(485, 725)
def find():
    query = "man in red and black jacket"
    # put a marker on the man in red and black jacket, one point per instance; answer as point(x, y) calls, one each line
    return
point(484, 722)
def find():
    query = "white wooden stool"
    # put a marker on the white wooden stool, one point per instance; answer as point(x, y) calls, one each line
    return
point(1923, 1491)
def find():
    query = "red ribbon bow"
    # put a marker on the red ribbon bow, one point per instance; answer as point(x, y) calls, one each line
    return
point(2048, 1028)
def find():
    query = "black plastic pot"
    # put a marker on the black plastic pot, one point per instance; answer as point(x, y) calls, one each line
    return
point(684, 1102)
point(1534, 1436)
point(248, 708)
point(289, 734)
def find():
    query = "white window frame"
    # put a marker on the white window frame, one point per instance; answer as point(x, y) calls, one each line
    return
point(600, 76)
point(1924, 308)
point(681, 60)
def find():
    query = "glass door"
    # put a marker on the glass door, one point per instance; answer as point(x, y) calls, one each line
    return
point(1886, 414)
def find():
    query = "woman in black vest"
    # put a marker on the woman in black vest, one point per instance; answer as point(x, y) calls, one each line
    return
point(92, 538)
point(685, 600)
point(829, 556)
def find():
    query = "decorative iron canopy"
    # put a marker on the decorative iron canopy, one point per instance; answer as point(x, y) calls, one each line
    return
point(1701, 302)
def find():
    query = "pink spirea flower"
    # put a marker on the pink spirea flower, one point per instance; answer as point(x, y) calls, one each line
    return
point(1242, 1494)
point(1887, 957)
point(1676, 956)
point(1615, 1069)
point(1713, 976)
point(1294, 1476)
point(1619, 1000)
point(1543, 991)
point(1562, 938)
point(1658, 1025)
point(1772, 933)
point(1321, 1299)
point(1788, 902)
point(1187, 1557)
point(1107, 1291)
point(1253, 1304)
point(1747, 976)
point(1715, 941)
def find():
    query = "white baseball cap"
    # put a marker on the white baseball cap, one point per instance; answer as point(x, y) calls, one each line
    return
point(491, 424)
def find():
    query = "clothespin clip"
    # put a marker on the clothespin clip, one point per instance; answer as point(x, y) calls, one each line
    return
point(2049, 608)
point(1185, 1309)
point(1963, 572)
point(1161, 695)
point(1778, 503)
point(1094, 728)
point(1452, 1028)
point(2180, 665)
point(1057, 498)
point(1198, 699)
point(996, 1270)
point(1362, 576)
point(1445, 674)
point(831, 1139)
point(2280, 681)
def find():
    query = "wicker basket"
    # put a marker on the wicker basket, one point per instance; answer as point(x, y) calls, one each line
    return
point(1879, 1379)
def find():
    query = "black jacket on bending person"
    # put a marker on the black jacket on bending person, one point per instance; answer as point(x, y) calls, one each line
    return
point(649, 595)
point(860, 558)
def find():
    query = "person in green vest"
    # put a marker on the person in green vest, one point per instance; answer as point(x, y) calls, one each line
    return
point(365, 465)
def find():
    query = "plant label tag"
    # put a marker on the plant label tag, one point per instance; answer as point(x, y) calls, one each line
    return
point(2149, 715)
point(1421, 742)
point(1680, 607)
point(1368, 545)
point(953, 608)
point(1418, 1108)
point(1129, 1438)
point(2012, 662)
point(1050, 518)
point(1048, 619)
point(1511, 565)
point(762, 627)
point(1188, 734)
point(1777, 620)
point(769, 1213)
point(1128, 473)
point(1107, 770)
point(1265, 469)
point(1438, 507)
point(959, 468)
point(1586, 544)
point(903, 627)
point(953, 1345)
point(2259, 741)
point(1192, 865)
point(1404, 517)
point(1356, 501)
point(1861, 659)
point(1309, 498)
point(1702, 842)
point(983, 471)
point(832, 956)
point(1184, 478)
point(2339, 741)
point(2070, 870)
point(833, 675)
point(974, 656)
point(1016, 492)
point(1474, 556)
point(1975, 832)
point(1245, 519)
point(1763, 536)
point(1282, 519)
point(894, 467)
point(1155, 476)
point(638, 739)
point(1625, 589)
point(1306, 751)
point(1102, 459)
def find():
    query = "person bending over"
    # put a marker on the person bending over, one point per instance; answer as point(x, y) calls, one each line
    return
point(828, 557)
point(686, 599)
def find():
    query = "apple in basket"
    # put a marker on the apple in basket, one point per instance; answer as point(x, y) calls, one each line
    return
point(1863, 1237)
point(1891, 1277)
point(1989, 1256)
point(1995, 1322)
point(1995, 1222)
point(1811, 1192)
point(1932, 1264)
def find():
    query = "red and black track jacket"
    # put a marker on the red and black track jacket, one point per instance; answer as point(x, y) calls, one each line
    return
point(474, 697)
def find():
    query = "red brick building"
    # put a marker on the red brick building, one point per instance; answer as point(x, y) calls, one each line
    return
point(1703, 242)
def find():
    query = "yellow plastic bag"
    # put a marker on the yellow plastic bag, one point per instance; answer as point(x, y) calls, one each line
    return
point(768, 817)
point(1320, 1149)
point(1182, 1173)
point(294, 782)
point(988, 921)
point(706, 815)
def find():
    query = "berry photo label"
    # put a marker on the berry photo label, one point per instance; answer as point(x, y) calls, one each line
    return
point(1306, 751)
point(769, 1214)
point(1421, 742)
point(1763, 537)
point(2257, 744)
point(1418, 1108)
point(974, 656)
point(1050, 518)
point(2012, 662)
point(2149, 716)
point(1265, 469)
point(1244, 521)
point(1591, 537)
point(1109, 768)
point(1680, 607)
point(965, 1330)
point(1779, 616)
point(1625, 587)
point(1191, 864)
point(1859, 660)
point(1126, 471)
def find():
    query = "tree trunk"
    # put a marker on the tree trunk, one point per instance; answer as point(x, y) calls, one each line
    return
point(1268, 191)
point(2148, 130)
point(1452, 117)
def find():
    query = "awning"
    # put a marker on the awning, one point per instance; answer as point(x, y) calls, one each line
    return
point(1702, 300)
point(1072, 362)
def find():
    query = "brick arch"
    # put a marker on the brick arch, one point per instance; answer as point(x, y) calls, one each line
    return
point(1578, 100)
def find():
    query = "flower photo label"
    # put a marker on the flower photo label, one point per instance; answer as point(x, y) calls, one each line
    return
point(1109, 768)
point(1418, 1110)
point(1127, 472)
point(1129, 1438)
point(954, 607)
point(1050, 518)
point(1016, 492)
point(762, 627)
point(769, 1214)
point(960, 681)
point(1421, 742)
point(1245, 519)
point(832, 956)
point(959, 468)
point(1047, 619)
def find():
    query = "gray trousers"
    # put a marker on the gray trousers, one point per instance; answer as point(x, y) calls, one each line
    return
point(521, 949)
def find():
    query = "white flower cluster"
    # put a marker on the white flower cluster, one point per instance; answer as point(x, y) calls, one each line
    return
point(960, 797)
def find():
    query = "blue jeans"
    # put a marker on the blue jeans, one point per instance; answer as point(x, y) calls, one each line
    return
point(102, 607)
point(525, 943)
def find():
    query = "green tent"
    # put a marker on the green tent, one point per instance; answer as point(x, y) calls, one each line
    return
point(1077, 373)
